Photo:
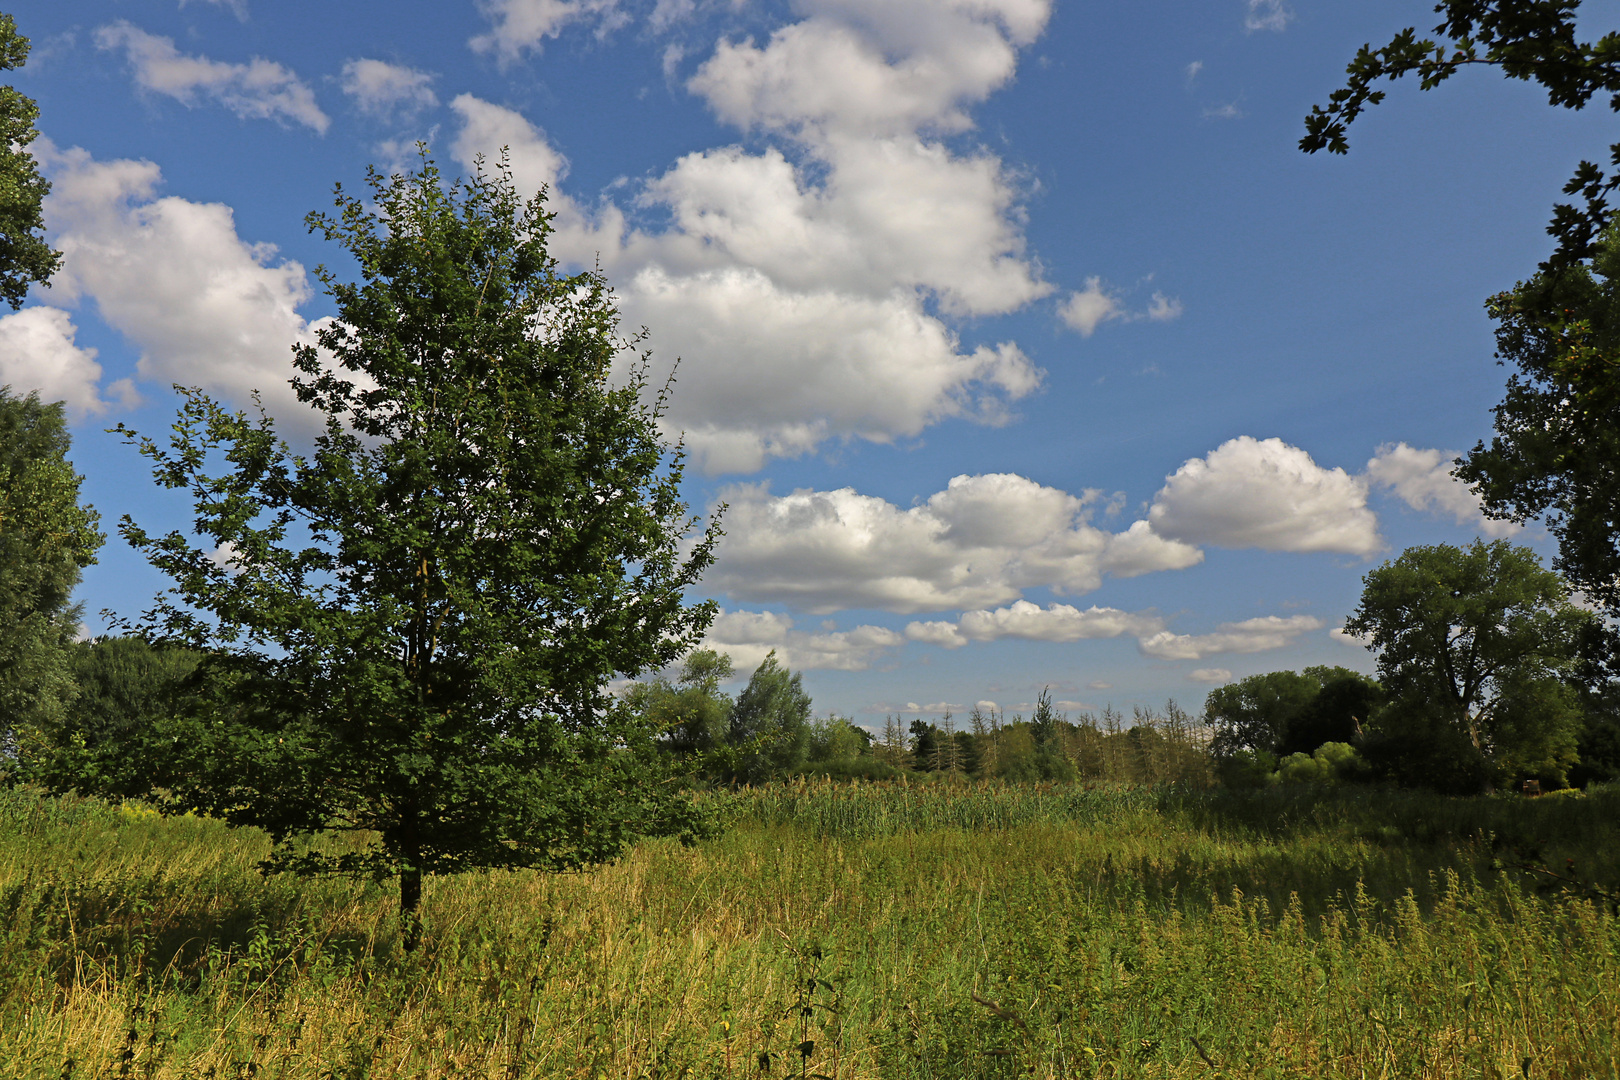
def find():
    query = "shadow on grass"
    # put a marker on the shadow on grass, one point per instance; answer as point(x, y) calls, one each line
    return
point(1323, 844)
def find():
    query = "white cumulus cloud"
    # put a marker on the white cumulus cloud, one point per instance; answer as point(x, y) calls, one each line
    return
point(749, 636)
point(37, 352)
point(1344, 637)
point(1249, 636)
point(257, 90)
point(1422, 479)
point(806, 285)
point(205, 307)
point(521, 26)
point(1265, 494)
point(382, 89)
point(1030, 622)
point(1090, 307)
point(978, 543)
point(1210, 675)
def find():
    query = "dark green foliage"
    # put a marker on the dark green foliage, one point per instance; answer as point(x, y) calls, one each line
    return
point(1255, 713)
point(413, 630)
point(1557, 445)
point(1286, 712)
point(1530, 40)
point(926, 741)
point(25, 258)
point(1476, 648)
point(126, 689)
point(1046, 761)
point(1341, 708)
point(46, 539)
point(126, 684)
point(772, 720)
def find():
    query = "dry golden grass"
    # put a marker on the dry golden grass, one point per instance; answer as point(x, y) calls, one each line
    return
point(1106, 934)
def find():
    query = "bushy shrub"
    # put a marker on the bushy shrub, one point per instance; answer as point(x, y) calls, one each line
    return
point(1332, 763)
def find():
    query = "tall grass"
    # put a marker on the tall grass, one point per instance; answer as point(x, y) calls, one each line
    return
point(878, 930)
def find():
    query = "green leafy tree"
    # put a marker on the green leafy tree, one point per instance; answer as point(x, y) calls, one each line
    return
point(1256, 713)
point(411, 630)
point(126, 687)
point(46, 539)
point(1530, 40)
point(771, 722)
point(1338, 713)
point(1475, 647)
point(692, 713)
point(25, 258)
point(1556, 452)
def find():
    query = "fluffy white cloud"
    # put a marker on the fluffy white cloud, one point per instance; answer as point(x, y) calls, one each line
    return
point(805, 288)
point(1090, 308)
point(1094, 305)
point(1422, 479)
point(1265, 494)
point(1267, 15)
point(1022, 619)
point(790, 325)
point(381, 89)
point(1249, 636)
point(978, 543)
point(771, 373)
point(205, 307)
point(859, 68)
point(37, 352)
point(258, 90)
point(1344, 637)
point(749, 636)
point(1210, 675)
point(523, 25)
point(1140, 550)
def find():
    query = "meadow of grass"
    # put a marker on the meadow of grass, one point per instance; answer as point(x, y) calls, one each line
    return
point(877, 930)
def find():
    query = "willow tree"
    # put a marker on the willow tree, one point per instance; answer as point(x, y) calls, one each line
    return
point(412, 628)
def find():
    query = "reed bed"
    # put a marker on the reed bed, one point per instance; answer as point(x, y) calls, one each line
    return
point(962, 932)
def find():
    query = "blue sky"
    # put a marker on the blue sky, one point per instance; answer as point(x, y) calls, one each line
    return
point(1025, 345)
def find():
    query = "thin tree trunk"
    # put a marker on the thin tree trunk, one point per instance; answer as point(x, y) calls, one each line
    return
point(410, 900)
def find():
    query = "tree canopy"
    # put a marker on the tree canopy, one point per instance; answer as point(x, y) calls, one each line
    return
point(1530, 40)
point(1289, 712)
point(25, 258)
point(46, 539)
point(1556, 451)
point(772, 715)
point(410, 631)
point(1475, 647)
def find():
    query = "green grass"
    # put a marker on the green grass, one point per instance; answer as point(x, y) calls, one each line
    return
point(847, 931)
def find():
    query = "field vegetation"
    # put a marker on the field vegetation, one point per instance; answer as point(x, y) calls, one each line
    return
point(922, 928)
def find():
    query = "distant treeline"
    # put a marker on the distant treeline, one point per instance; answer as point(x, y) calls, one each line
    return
point(1325, 725)
point(768, 731)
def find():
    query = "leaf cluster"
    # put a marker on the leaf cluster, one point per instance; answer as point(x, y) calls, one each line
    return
point(46, 539)
point(1556, 451)
point(1529, 40)
point(25, 258)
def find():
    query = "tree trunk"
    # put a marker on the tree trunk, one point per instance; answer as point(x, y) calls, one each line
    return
point(410, 899)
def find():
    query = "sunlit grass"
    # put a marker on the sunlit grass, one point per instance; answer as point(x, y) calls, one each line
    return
point(860, 931)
